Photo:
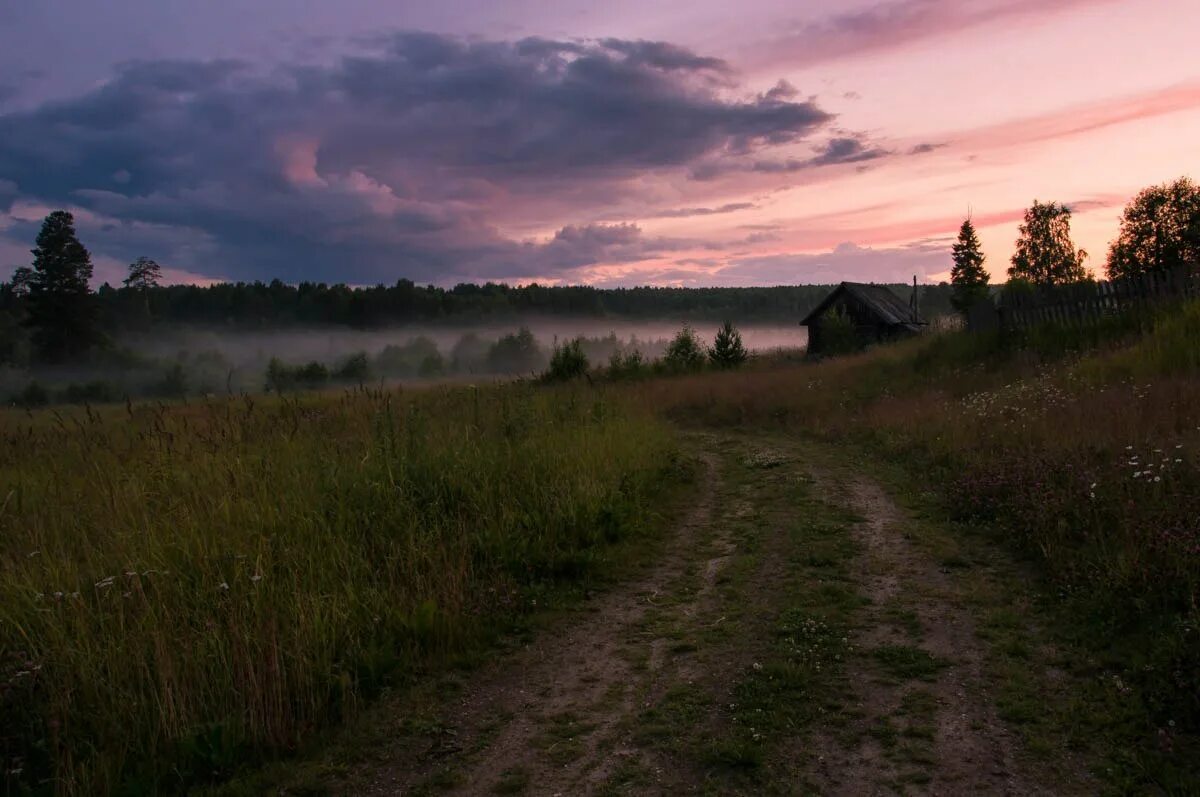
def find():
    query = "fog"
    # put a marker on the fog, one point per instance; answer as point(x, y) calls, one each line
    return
point(179, 361)
point(292, 345)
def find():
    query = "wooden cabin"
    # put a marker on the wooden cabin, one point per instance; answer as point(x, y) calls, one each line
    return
point(856, 314)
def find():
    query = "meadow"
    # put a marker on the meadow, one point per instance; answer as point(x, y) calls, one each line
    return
point(186, 588)
point(189, 588)
point(1075, 448)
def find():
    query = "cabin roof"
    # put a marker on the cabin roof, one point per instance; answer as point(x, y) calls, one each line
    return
point(879, 299)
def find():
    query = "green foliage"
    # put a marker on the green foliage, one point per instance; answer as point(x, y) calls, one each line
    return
point(1160, 229)
point(1045, 254)
point(685, 352)
point(968, 276)
point(469, 353)
point(61, 305)
point(1075, 445)
point(355, 368)
point(568, 362)
point(727, 350)
point(627, 365)
point(431, 366)
point(188, 588)
point(515, 353)
point(406, 360)
point(838, 334)
point(281, 377)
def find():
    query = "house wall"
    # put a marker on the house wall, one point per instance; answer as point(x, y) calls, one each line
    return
point(868, 327)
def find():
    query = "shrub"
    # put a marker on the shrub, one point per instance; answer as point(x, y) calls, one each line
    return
point(173, 384)
point(567, 362)
point(627, 365)
point(515, 353)
point(355, 368)
point(685, 353)
point(838, 335)
point(432, 366)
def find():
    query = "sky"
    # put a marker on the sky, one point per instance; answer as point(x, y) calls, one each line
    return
point(691, 143)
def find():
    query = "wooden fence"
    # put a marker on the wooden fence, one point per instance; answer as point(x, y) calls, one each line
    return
point(1084, 302)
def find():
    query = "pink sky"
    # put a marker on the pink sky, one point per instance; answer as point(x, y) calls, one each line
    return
point(981, 106)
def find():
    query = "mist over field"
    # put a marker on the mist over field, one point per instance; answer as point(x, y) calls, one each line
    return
point(330, 344)
point(174, 361)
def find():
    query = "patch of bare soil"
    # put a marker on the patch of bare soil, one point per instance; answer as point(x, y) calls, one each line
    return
point(970, 750)
point(544, 719)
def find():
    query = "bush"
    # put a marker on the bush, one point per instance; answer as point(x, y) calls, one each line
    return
point(312, 374)
point(515, 353)
point(173, 384)
point(406, 360)
point(627, 365)
point(356, 368)
point(685, 353)
point(567, 362)
point(281, 377)
point(838, 335)
point(432, 366)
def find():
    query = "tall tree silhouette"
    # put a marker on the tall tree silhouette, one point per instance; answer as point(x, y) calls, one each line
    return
point(62, 310)
point(144, 274)
point(1160, 228)
point(968, 276)
point(1045, 253)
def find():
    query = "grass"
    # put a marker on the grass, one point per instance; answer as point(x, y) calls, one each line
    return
point(1076, 448)
point(185, 589)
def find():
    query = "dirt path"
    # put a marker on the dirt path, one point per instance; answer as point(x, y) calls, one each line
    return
point(920, 676)
point(778, 646)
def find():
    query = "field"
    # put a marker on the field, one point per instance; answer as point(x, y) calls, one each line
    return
point(189, 590)
point(185, 588)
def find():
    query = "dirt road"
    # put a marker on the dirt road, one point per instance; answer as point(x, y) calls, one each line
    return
point(792, 639)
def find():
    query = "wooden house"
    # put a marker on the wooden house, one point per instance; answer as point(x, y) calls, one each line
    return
point(855, 314)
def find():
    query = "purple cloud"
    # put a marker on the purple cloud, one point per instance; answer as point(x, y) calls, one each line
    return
point(387, 163)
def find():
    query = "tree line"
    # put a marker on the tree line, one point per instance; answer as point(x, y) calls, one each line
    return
point(1159, 231)
point(50, 314)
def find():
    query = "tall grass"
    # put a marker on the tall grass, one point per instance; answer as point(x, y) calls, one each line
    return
point(1082, 446)
point(185, 588)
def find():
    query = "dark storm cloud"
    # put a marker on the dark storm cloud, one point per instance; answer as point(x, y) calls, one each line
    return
point(390, 162)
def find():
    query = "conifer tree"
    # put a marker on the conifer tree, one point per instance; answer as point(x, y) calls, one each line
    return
point(144, 274)
point(968, 276)
point(62, 309)
point(727, 350)
point(1045, 253)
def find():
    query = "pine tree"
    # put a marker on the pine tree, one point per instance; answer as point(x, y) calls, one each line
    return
point(727, 350)
point(144, 274)
point(1045, 253)
point(62, 310)
point(968, 277)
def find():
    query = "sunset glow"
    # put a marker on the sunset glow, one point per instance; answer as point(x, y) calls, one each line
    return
point(682, 144)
